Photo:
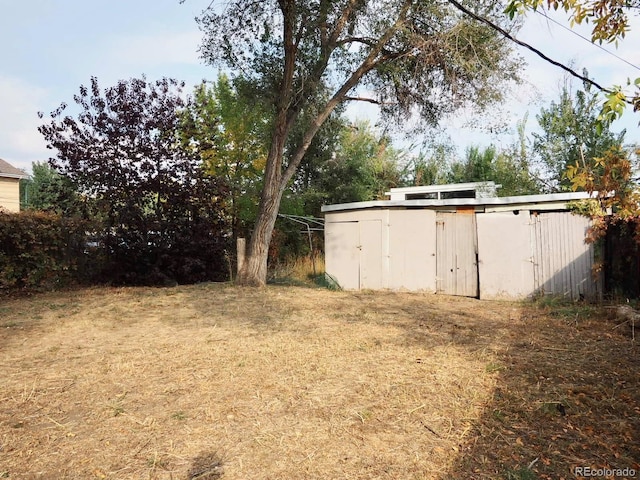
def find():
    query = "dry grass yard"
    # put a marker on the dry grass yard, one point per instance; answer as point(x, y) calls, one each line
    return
point(214, 381)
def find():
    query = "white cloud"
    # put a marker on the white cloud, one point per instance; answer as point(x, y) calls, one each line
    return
point(158, 49)
point(20, 141)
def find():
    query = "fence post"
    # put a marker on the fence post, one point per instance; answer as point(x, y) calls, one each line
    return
point(241, 245)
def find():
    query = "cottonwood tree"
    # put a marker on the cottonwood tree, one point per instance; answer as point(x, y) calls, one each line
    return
point(411, 57)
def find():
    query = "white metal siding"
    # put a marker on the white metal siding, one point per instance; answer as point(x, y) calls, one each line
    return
point(505, 255)
point(563, 262)
point(412, 250)
point(342, 257)
point(371, 255)
point(519, 255)
point(457, 269)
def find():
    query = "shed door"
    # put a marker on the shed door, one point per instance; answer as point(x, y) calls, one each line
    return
point(504, 255)
point(370, 254)
point(342, 254)
point(353, 252)
point(456, 257)
point(563, 262)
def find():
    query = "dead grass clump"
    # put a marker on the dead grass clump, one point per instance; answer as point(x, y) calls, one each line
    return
point(206, 466)
point(298, 270)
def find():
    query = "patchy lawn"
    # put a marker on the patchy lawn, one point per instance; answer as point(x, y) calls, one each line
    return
point(213, 381)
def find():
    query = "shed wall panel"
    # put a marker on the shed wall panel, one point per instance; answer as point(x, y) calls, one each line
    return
point(342, 256)
point(505, 256)
point(371, 254)
point(356, 215)
point(412, 250)
point(563, 262)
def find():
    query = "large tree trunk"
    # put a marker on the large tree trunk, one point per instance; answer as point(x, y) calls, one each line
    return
point(277, 175)
point(254, 270)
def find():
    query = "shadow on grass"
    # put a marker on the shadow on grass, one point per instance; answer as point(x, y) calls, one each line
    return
point(567, 399)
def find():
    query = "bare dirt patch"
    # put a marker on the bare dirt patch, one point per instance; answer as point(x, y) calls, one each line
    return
point(213, 381)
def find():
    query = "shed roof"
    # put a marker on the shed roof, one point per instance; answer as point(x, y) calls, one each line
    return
point(558, 200)
point(8, 170)
point(479, 189)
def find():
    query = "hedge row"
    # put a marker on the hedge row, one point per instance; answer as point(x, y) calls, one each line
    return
point(43, 251)
point(39, 251)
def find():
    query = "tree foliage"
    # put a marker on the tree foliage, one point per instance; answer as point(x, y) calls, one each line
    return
point(615, 189)
point(228, 128)
point(570, 134)
point(509, 166)
point(161, 216)
point(416, 56)
point(49, 191)
point(363, 167)
point(610, 19)
point(433, 166)
point(505, 168)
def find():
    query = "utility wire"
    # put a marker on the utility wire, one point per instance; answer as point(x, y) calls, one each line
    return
point(506, 34)
point(540, 12)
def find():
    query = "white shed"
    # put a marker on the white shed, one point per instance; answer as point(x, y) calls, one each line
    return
point(491, 248)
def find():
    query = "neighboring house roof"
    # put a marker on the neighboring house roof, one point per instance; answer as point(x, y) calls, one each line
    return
point(8, 170)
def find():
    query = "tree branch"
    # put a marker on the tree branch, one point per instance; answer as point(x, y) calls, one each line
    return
point(362, 99)
point(365, 41)
point(368, 63)
point(340, 24)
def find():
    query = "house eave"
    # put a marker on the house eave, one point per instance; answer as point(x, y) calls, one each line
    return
point(13, 175)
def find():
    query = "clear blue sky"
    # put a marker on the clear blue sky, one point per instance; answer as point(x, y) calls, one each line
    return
point(51, 47)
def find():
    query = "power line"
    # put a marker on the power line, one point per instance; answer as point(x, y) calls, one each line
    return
point(507, 35)
point(540, 12)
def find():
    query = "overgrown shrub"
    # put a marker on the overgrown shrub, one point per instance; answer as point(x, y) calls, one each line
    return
point(163, 219)
point(40, 251)
point(189, 252)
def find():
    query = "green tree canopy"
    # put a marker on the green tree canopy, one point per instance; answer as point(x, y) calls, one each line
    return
point(363, 167)
point(569, 134)
point(228, 129)
point(48, 190)
point(504, 167)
